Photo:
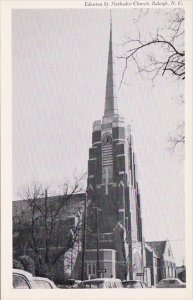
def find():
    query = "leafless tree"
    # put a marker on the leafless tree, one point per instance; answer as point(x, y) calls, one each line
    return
point(168, 54)
point(163, 53)
point(44, 227)
point(178, 138)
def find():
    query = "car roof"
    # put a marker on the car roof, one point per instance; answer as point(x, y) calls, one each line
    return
point(40, 278)
point(165, 279)
point(43, 278)
point(24, 273)
point(102, 280)
point(127, 281)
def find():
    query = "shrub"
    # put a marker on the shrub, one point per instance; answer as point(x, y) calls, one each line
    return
point(17, 264)
point(28, 264)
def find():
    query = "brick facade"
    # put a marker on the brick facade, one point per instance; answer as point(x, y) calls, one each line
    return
point(113, 188)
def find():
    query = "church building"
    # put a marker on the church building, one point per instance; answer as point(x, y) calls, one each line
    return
point(113, 242)
point(97, 234)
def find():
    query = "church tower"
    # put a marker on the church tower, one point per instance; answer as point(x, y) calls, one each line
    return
point(114, 227)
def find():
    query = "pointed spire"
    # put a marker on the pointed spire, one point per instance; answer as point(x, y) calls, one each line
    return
point(111, 108)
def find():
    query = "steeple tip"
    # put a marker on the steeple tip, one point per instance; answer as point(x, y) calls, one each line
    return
point(111, 108)
point(110, 19)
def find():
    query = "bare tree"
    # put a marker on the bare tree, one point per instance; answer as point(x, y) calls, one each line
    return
point(49, 226)
point(168, 54)
point(163, 53)
point(178, 138)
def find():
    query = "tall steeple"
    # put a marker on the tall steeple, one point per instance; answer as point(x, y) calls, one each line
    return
point(111, 108)
point(113, 189)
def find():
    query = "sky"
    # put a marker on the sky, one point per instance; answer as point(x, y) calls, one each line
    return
point(59, 64)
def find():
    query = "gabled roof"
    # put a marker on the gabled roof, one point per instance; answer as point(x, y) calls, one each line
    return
point(147, 246)
point(72, 204)
point(180, 269)
point(158, 247)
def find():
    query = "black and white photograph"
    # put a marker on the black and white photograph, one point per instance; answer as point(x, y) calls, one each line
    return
point(98, 148)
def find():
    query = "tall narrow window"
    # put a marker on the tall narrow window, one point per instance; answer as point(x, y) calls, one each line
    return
point(89, 269)
point(107, 159)
point(93, 269)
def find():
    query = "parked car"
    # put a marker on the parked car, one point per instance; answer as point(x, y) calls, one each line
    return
point(171, 283)
point(133, 284)
point(71, 284)
point(25, 280)
point(75, 284)
point(43, 283)
point(22, 279)
point(101, 283)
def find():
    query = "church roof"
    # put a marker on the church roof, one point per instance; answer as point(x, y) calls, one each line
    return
point(158, 247)
point(71, 206)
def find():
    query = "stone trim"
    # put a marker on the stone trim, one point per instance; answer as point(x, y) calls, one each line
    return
point(106, 241)
point(104, 260)
point(96, 143)
point(119, 140)
point(98, 186)
point(109, 183)
point(121, 172)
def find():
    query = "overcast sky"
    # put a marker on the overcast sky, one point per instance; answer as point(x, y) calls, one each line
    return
point(59, 76)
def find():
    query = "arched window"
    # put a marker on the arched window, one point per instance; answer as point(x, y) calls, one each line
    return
point(89, 269)
point(93, 269)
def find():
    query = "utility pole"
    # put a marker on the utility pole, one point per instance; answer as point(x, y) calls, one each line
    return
point(142, 254)
point(98, 263)
point(84, 236)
